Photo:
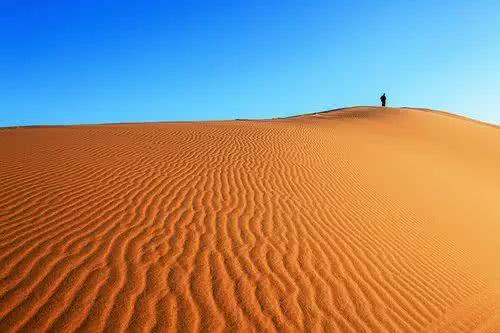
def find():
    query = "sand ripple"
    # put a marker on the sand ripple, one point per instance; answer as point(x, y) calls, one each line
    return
point(350, 221)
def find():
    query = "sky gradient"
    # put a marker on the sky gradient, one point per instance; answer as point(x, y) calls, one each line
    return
point(68, 62)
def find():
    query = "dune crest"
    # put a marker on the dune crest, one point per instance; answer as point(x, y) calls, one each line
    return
point(362, 219)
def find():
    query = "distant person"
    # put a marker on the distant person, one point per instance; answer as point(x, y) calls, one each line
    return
point(383, 99)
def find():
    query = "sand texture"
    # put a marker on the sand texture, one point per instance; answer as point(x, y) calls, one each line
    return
point(356, 220)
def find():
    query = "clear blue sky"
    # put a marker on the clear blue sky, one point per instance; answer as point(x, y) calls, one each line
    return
point(64, 62)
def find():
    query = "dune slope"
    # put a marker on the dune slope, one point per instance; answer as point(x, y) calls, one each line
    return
point(356, 220)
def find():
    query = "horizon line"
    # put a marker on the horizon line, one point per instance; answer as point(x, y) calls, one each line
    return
point(447, 113)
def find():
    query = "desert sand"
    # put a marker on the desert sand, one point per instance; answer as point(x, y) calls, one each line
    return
point(356, 220)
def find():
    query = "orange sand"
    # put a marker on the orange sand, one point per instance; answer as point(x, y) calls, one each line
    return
point(356, 220)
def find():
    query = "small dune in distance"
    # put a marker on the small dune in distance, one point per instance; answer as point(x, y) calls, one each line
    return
point(364, 219)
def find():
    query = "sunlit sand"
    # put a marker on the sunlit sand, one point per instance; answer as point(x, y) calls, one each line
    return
point(356, 220)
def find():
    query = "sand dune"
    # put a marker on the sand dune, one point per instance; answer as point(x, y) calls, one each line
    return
point(358, 220)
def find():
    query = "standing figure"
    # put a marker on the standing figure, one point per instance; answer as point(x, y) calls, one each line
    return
point(383, 99)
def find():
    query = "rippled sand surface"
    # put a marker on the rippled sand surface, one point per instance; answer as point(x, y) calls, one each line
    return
point(356, 220)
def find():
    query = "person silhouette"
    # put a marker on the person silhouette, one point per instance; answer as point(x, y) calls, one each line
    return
point(383, 99)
